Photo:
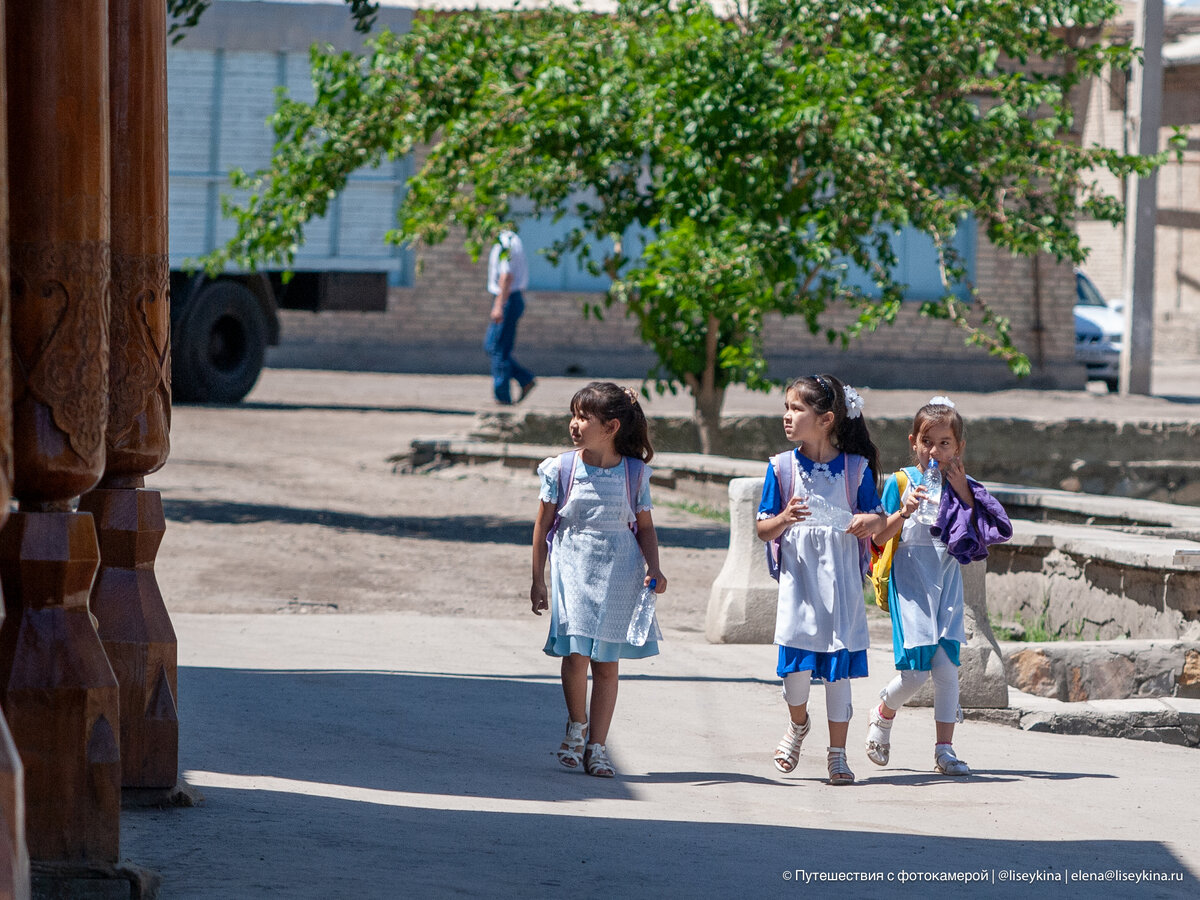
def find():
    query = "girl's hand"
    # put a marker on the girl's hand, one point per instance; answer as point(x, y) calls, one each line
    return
point(538, 599)
point(659, 579)
point(865, 525)
point(956, 476)
point(795, 511)
point(915, 496)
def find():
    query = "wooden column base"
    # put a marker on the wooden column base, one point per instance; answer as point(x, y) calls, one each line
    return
point(136, 631)
point(58, 690)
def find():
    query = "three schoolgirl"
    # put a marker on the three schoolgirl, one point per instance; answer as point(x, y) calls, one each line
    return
point(819, 510)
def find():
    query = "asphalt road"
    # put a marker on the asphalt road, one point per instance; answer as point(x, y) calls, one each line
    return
point(366, 708)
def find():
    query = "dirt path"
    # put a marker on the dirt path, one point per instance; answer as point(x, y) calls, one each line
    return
point(292, 506)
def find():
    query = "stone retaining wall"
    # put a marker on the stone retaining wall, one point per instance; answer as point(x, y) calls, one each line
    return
point(1099, 670)
point(1094, 456)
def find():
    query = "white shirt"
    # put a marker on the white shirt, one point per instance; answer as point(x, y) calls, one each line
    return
point(508, 255)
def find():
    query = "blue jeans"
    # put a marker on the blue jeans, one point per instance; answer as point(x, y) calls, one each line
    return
point(499, 346)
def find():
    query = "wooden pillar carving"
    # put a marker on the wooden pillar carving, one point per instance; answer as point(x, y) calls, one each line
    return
point(133, 621)
point(14, 857)
point(56, 686)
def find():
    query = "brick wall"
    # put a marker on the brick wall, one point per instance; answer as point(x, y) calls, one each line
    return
point(439, 324)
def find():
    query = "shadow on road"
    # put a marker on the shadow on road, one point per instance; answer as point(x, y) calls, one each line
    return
point(484, 529)
point(365, 784)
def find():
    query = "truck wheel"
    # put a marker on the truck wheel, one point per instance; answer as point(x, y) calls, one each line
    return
point(219, 348)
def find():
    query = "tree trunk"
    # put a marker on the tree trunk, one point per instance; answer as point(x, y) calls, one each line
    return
point(707, 397)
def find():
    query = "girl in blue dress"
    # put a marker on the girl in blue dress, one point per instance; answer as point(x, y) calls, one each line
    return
point(820, 504)
point(595, 525)
point(925, 591)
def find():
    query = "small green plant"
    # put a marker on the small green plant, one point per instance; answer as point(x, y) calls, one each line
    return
point(1036, 631)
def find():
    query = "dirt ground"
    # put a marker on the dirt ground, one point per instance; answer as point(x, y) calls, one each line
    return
point(290, 504)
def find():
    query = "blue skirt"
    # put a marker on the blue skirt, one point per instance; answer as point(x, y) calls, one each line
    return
point(600, 651)
point(824, 666)
point(920, 659)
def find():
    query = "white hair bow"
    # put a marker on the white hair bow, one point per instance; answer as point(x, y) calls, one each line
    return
point(854, 402)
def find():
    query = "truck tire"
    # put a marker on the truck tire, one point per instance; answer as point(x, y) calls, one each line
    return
point(219, 348)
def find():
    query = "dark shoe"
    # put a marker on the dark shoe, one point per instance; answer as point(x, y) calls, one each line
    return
point(527, 389)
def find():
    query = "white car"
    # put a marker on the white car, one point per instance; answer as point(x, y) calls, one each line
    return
point(1099, 332)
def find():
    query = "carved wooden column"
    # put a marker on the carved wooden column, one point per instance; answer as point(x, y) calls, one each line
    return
point(14, 858)
point(133, 621)
point(56, 685)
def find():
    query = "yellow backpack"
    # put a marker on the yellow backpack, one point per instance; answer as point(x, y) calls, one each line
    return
point(881, 558)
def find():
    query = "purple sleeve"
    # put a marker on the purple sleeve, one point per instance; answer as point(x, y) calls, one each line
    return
point(967, 532)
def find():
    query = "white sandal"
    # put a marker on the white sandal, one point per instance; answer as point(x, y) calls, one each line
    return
point(879, 738)
point(947, 762)
point(597, 762)
point(839, 770)
point(570, 754)
point(787, 754)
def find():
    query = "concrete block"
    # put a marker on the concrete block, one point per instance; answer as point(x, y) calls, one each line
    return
point(741, 606)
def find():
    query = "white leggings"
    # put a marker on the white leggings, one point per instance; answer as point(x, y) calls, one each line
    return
point(945, 688)
point(838, 705)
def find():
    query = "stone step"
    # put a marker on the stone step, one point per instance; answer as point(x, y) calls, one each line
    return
point(1168, 720)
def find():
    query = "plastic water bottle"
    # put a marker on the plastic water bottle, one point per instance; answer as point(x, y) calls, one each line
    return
point(643, 616)
point(822, 512)
point(927, 512)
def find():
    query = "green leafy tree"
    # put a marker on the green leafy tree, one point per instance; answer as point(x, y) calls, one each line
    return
point(757, 154)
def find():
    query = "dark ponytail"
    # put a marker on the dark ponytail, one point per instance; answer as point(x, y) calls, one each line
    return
point(606, 401)
point(825, 393)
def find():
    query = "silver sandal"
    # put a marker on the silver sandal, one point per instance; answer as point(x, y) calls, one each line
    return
point(839, 770)
point(570, 754)
point(947, 762)
point(879, 738)
point(787, 754)
point(597, 762)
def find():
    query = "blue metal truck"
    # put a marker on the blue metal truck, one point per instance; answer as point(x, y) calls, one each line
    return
point(221, 90)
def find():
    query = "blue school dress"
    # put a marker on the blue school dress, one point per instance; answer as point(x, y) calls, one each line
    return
point(596, 566)
point(820, 618)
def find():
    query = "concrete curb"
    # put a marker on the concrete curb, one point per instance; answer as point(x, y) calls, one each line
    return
point(1169, 720)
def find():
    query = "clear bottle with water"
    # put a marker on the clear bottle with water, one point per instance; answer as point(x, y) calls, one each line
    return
point(822, 512)
point(643, 616)
point(927, 512)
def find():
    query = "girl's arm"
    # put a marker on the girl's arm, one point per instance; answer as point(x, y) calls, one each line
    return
point(867, 525)
point(956, 477)
point(647, 539)
point(795, 511)
point(541, 527)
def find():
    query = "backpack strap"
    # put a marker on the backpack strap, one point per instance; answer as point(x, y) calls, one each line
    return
point(633, 482)
point(566, 478)
point(783, 465)
point(852, 459)
point(566, 475)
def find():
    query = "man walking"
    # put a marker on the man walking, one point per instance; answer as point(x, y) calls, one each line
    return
point(508, 277)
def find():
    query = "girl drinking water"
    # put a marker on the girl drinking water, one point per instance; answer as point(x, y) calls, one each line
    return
point(925, 590)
